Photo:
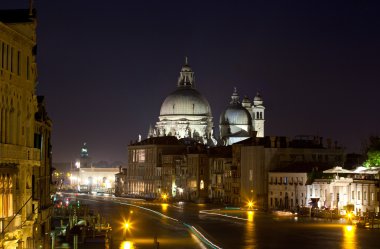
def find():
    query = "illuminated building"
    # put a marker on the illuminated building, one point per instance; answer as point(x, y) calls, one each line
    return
point(25, 150)
point(85, 178)
point(359, 188)
point(240, 121)
point(185, 113)
point(254, 158)
point(143, 176)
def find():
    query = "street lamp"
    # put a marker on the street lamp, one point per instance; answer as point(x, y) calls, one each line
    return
point(250, 204)
point(164, 197)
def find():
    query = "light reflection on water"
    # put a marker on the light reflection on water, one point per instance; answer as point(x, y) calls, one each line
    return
point(164, 207)
point(249, 235)
point(349, 237)
point(126, 245)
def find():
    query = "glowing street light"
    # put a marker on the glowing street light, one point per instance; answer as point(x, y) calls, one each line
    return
point(164, 197)
point(250, 204)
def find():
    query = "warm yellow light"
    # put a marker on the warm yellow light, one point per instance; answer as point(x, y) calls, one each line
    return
point(126, 245)
point(349, 228)
point(164, 206)
point(250, 215)
point(164, 196)
point(126, 225)
point(349, 215)
point(250, 204)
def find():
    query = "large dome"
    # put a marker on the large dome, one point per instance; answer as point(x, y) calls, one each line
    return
point(185, 101)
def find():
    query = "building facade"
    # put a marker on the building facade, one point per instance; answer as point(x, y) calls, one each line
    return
point(358, 188)
point(255, 158)
point(25, 149)
point(287, 190)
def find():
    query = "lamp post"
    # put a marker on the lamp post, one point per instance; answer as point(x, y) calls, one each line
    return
point(77, 165)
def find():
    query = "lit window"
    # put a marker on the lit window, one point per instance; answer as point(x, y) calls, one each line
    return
point(202, 184)
point(140, 155)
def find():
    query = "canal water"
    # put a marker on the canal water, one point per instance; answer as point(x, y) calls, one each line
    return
point(262, 231)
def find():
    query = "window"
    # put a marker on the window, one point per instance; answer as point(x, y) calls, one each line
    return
point(372, 196)
point(285, 180)
point(358, 195)
point(365, 196)
point(18, 63)
point(2, 55)
point(139, 156)
point(27, 68)
point(11, 59)
point(353, 195)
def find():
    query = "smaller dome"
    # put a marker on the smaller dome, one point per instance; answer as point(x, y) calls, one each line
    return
point(235, 115)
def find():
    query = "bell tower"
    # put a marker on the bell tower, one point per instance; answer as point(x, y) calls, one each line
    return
point(258, 118)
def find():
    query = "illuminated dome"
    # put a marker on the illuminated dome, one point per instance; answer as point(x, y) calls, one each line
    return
point(235, 123)
point(185, 101)
point(235, 113)
point(185, 113)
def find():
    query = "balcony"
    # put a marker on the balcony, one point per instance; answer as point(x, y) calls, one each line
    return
point(11, 151)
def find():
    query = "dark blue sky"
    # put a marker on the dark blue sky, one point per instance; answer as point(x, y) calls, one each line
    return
point(105, 67)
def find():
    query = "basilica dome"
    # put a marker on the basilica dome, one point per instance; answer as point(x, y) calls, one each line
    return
point(185, 101)
point(185, 113)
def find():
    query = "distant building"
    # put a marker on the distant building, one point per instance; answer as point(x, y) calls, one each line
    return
point(255, 157)
point(339, 188)
point(144, 170)
point(25, 131)
point(86, 178)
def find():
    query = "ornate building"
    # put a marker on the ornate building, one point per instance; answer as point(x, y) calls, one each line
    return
point(25, 129)
point(185, 113)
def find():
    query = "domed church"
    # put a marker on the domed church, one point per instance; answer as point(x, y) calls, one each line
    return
point(185, 113)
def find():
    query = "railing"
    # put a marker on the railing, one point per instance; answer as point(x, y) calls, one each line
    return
point(19, 152)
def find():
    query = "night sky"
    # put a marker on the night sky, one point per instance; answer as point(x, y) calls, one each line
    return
point(105, 67)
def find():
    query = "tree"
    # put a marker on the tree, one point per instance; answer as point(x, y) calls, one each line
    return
point(373, 159)
point(373, 152)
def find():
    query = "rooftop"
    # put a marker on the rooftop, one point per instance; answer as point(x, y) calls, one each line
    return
point(17, 15)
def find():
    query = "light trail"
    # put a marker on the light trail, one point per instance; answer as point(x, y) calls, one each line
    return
point(192, 229)
point(203, 238)
point(223, 215)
